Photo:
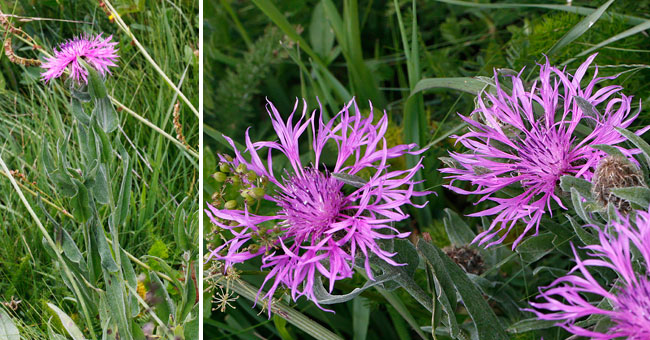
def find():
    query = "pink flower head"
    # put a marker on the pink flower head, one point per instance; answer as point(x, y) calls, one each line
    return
point(98, 52)
point(529, 139)
point(569, 298)
point(322, 228)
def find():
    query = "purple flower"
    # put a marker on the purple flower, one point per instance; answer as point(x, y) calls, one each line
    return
point(320, 227)
point(526, 139)
point(98, 52)
point(566, 299)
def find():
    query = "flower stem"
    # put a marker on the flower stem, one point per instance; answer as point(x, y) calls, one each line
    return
point(283, 310)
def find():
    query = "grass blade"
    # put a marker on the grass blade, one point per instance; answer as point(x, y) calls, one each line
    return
point(580, 28)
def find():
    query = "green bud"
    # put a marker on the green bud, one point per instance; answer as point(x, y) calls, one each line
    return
point(245, 194)
point(223, 167)
point(241, 168)
point(232, 204)
point(235, 179)
point(228, 158)
point(257, 193)
point(219, 176)
point(253, 248)
point(251, 175)
point(249, 200)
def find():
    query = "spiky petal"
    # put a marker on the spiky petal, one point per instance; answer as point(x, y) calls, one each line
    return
point(323, 229)
point(529, 139)
point(98, 52)
point(571, 297)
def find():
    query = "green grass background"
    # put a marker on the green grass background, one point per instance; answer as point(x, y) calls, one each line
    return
point(164, 175)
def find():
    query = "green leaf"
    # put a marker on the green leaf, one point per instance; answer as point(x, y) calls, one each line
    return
point(581, 185)
point(610, 150)
point(116, 299)
point(70, 247)
point(584, 236)
point(67, 323)
point(458, 231)
point(96, 87)
point(535, 247)
point(281, 326)
point(105, 114)
point(486, 322)
point(189, 294)
point(87, 144)
point(640, 143)
point(165, 307)
point(444, 286)
point(637, 195)
point(321, 35)
point(8, 330)
point(325, 298)
point(532, 324)
point(78, 111)
point(107, 260)
point(124, 198)
point(103, 145)
point(565, 8)
point(46, 157)
point(180, 222)
point(360, 318)
point(632, 31)
point(131, 280)
point(99, 185)
point(81, 202)
point(579, 29)
point(465, 84)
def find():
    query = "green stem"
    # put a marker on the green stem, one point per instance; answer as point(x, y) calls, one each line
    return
point(284, 311)
point(52, 244)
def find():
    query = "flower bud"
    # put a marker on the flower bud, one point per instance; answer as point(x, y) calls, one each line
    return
point(252, 176)
point(219, 177)
point(256, 193)
point(240, 168)
point(223, 167)
point(232, 204)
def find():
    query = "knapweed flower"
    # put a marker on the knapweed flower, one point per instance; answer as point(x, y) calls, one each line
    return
point(526, 139)
point(98, 52)
point(321, 226)
point(572, 297)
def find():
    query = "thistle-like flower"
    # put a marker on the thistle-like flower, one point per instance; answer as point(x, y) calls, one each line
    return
point(322, 226)
point(527, 139)
point(574, 296)
point(100, 53)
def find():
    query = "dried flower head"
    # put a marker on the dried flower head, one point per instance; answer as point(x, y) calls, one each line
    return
point(320, 227)
point(572, 297)
point(100, 53)
point(615, 172)
point(466, 257)
point(527, 139)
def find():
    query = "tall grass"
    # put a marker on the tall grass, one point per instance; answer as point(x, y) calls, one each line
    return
point(163, 197)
